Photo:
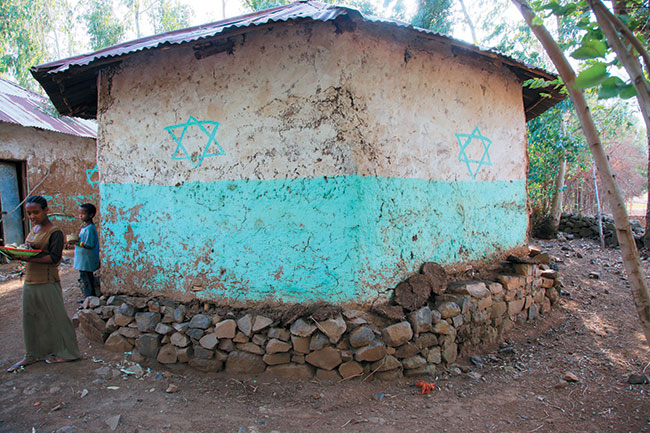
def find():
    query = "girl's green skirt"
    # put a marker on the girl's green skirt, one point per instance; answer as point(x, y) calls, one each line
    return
point(47, 330)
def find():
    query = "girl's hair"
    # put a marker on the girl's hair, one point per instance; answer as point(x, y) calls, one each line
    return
point(89, 208)
point(37, 199)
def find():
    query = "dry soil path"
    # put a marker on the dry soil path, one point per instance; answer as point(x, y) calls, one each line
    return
point(592, 333)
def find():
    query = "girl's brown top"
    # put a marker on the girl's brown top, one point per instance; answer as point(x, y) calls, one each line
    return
point(50, 242)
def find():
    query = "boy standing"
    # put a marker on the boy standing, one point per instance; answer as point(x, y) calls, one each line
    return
point(86, 250)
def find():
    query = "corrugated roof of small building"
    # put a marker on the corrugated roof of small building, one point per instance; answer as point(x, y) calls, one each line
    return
point(72, 83)
point(24, 107)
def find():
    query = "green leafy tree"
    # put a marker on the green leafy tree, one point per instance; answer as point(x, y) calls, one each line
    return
point(103, 26)
point(434, 15)
point(611, 190)
point(23, 27)
point(168, 15)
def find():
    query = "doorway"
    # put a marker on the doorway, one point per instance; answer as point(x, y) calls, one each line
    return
point(12, 226)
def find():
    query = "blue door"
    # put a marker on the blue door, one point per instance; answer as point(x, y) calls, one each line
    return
point(12, 224)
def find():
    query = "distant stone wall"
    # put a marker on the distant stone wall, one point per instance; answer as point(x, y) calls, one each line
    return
point(587, 227)
point(415, 334)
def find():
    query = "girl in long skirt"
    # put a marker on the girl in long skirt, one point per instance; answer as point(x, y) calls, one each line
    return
point(48, 333)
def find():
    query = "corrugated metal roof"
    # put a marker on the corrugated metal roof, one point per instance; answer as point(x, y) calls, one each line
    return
point(23, 107)
point(66, 94)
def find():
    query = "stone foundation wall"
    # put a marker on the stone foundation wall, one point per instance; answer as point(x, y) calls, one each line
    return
point(584, 226)
point(412, 336)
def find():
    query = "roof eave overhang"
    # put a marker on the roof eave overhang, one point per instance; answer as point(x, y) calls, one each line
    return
point(73, 89)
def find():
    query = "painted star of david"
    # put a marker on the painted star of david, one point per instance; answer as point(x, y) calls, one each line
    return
point(181, 152)
point(89, 176)
point(465, 140)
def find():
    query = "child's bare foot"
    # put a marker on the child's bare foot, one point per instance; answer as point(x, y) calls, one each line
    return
point(20, 365)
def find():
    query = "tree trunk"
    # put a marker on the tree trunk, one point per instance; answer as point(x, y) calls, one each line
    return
point(556, 204)
point(609, 24)
point(612, 192)
point(469, 22)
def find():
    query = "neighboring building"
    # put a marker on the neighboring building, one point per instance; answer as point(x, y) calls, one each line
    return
point(300, 153)
point(43, 153)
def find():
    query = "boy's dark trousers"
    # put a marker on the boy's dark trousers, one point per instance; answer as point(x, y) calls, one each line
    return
point(87, 283)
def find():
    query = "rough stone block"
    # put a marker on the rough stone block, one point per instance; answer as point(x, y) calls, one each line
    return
point(512, 282)
point(148, 345)
point(474, 289)
point(484, 303)
point(389, 375)
point(414, 362)
point(259, 339)
point(203, 353)
point(443, 327)
point(209, 341)
point(362, 336)
point(127, 309)
point(201, 321)
point(427, 370)
point(184, 354)
point(350, 369)
point(291, 371)
point(163, 329)
point(225, 329)
point(92, 326)
point(397, 334)
point(434, 355)
point(277, 346)
point(448, 309)
point(372, 352)
point(117, 343)
point(240, 337)
point(426, 340)
point(328, 375)
point(450, 352)
point(387, 363)
point(261, 323)
point(318, 341)
point(251, 348)
point(244, 362)
point(421, 320)
point(414, 292)
point(276, 358)
point(515, 306)
point(327, 358)
point(302, 328)
point(333, 328)
point(551, 294)
point(179, 313)
point(195, 333)
point(245, 325)
point(300, 344)
point(279, 334)
point(122, 319)
point(167, 354)
point(147, 321)
point(206, 365)
point(179, 340)
point(127, 332)
point(226, 345)
point(437, 277)
point(407, 350)
point(499, 309)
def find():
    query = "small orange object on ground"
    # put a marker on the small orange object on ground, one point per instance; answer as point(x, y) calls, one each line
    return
point(426, 387)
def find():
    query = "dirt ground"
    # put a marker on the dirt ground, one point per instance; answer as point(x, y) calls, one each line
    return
point(593, 333)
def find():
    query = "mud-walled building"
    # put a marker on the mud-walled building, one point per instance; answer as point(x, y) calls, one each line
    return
point(43, 153)
point(299, 154)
